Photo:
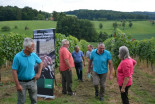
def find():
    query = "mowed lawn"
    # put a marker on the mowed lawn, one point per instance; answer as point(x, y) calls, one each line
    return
point(140, 29)
point(32, 25)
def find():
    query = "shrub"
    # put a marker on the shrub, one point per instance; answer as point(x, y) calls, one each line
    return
point(16, 27)
point(5, 28)
point(11, 44)
point(26, 28)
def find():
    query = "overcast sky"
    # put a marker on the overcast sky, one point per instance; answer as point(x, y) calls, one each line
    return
point(67, 5)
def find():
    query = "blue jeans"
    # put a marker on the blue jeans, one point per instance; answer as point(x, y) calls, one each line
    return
point(78, 67)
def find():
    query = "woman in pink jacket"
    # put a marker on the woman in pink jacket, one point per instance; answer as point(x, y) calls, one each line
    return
point(124, 73)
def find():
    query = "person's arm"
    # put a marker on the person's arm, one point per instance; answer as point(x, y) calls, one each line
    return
point(126, 79)
point(126, 71)
point(88, 59)
point(111, 69)
point(89, 66)
point(83, 60)
point(37, 76)
point(15, 77)
point(68, 64)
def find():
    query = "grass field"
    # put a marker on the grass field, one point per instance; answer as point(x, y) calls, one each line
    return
point(32, 25)
point(140, 29)
point(141, 92)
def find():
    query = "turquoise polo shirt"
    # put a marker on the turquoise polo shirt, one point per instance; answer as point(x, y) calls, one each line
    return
point(25, 65)
point(100, 62)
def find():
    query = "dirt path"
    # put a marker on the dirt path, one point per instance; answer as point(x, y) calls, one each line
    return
point(85, 91)
point(141, 92)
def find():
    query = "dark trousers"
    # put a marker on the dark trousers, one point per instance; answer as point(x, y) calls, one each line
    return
point(66, 82)
point(124, 95)
point(78, 67)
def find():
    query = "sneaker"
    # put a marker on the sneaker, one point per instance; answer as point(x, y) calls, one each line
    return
point(101, 99)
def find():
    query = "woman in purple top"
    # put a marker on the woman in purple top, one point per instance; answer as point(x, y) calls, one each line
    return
point(124, 73)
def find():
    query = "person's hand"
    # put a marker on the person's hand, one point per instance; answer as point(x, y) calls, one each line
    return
point(88, 71)
point(19, 87)
point(70, 69)
point(122, 90)
point(37, 76)
point(84, 64)
point(110, 76)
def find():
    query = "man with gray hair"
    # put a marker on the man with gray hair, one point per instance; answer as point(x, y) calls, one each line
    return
point(100, 59)
point(66, 65)
point(24, 73)
point(78, 57)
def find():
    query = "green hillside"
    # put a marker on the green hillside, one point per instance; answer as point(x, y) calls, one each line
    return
point(32, 25)
point(140, 29)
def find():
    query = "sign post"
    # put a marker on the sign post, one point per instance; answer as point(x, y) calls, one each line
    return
point(45, 48)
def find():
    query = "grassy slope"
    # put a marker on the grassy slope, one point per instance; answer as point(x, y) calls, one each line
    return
point(140, 29)
point(32, 25)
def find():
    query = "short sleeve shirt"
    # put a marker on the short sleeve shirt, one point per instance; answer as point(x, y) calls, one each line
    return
point(63, 55)
point(125, 69)
point(77, 56)
point(100, 62)
point(88, 54)
point(25, 65)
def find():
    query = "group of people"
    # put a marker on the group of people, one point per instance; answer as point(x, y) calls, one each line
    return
point(98, 62)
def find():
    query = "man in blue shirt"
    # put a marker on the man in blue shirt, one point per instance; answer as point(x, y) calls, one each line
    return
point(90, 49)
point(78, 58)
point(100, 58)
point(24, 73)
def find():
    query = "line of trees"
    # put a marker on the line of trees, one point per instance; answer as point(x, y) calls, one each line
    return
point(27, 13)
point(79, 28)
point(123, 24)
point(108, 15)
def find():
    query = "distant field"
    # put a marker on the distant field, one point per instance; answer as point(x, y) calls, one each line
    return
point(32, 25)
point(140, 29)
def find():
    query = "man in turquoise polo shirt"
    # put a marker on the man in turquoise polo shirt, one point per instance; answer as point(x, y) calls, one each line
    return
point(24, 73)
point(100, 59)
